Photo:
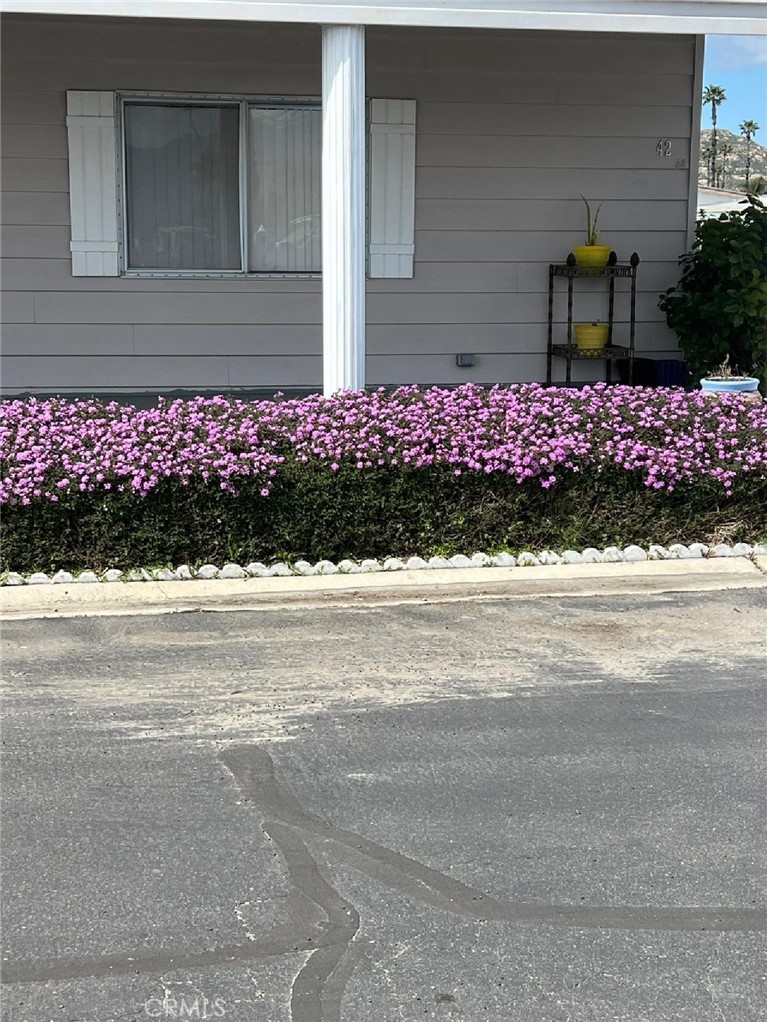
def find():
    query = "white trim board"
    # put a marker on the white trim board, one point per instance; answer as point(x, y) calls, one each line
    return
point(696, 17)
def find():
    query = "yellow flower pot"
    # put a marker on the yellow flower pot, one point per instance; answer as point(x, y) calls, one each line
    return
point(593, 256)
point(590, 336)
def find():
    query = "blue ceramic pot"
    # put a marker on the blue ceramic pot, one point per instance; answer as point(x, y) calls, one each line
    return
point(745, 386)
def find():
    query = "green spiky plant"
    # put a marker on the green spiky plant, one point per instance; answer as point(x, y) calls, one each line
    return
point(592, 232)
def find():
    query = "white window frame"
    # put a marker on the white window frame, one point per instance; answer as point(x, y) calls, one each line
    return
point(244, 102)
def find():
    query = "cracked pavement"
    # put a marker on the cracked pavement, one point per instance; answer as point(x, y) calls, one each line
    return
point(549, 809)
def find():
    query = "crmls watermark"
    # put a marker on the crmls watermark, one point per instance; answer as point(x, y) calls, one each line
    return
point(185, 1007)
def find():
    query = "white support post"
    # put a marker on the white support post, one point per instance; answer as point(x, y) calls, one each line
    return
point(343, 207)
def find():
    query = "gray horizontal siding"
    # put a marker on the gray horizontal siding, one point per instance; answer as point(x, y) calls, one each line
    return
point(19, 241)
point(550, 183)
point(222, 75)
point(31, 241)
point(432, 278)
point(611, 54)
point(565, 151)
point(549, 215)
point(17, 307)
point(129, 374)
point(34, 107)
point(132, 372)
point(52, 307)
point(192, 307)
point(546, 246)
point(517, 119)
point(425, 49)
point(404, 340)
point(65, 38)
point(489, 369)
point(510, 131)
point(536, 88)
point(34, 175)
point(35, 141)
point(44, 208)
point(40, 339)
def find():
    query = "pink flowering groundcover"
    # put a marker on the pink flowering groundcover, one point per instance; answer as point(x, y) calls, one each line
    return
point(376, 473)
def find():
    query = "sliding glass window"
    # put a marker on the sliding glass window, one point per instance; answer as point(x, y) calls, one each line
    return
point(221, 187)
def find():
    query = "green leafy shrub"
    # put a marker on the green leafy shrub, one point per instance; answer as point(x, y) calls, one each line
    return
point(719, 306)
point(314, 513)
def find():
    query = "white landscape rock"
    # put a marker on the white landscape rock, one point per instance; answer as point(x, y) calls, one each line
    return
point(280, 569)
point(634, 553)
point(257, 570)
point(590, 555)
point(138, 575)
point(393, 564)
point(549, 557)
point(679, 550)
point(38, 578)
point(698, 550)
point(233, 571)
point(572, 557)
point(348, 567)
point(462, 561)
point(687, 553)
point(416, 564)
point(481, 559)
point(742, 550)
point(304, 567)
point(503, 560)
point(720, 550)
point(208, 572)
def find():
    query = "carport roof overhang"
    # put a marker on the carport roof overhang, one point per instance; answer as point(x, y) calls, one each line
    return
point(692, 17)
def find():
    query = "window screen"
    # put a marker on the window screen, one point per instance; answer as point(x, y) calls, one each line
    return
point(182, 186)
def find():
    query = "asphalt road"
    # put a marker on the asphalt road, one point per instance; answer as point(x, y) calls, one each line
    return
point(534, 811)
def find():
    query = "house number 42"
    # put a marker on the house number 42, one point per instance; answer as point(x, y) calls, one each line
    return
point(663, 148)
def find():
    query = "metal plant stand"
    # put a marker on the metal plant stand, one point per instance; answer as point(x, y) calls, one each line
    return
point(569, 351)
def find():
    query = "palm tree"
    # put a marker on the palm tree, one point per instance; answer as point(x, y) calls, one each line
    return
point(749, 129)
point(715, 95)
point(724, 151)
point(706, 157)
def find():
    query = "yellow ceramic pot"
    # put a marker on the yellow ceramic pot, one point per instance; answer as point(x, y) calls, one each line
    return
point(591, 336)
point(594, 256)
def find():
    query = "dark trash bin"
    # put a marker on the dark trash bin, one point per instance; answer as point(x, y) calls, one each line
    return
point(651, 372)
point(644, 371)
point(671, 372)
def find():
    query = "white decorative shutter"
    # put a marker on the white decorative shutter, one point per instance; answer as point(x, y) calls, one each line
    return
point(392, 187)
point(92, 183)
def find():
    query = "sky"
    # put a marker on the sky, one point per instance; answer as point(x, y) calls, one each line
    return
point(739, 64)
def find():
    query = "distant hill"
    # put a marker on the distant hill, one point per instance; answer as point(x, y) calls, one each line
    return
point(736, 163)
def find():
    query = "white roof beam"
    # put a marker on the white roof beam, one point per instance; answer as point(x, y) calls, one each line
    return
point(693, 17)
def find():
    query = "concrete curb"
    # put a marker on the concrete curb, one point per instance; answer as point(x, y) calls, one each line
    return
point(622, 578)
